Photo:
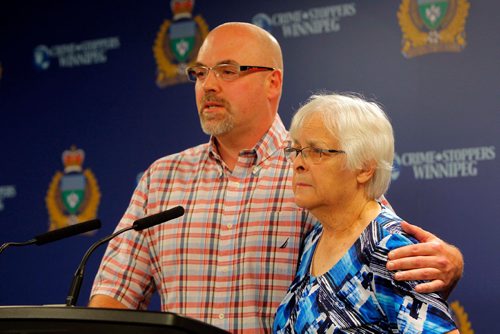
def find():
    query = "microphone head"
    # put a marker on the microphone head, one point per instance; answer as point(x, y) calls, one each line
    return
point(158, 218)
point(67, 231)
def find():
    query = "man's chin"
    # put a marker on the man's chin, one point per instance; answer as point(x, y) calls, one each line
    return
point(215, 128)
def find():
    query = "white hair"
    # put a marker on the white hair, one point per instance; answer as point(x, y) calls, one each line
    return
point(362, 129)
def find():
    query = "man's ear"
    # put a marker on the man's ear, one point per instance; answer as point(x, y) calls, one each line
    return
point(366, 173)
point(274, 84)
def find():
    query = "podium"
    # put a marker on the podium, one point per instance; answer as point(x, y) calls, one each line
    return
point(80, 320)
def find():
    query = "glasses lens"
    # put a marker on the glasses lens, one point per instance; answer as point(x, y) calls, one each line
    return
point(290, 153)
point(227, 72)
point(314, 154)
point(197, 73)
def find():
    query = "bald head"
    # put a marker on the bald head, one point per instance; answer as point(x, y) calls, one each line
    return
point(240, 111)
point(256, 44)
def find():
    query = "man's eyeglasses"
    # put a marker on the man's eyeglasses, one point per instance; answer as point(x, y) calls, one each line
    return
point(312, 154)
point(227, 72)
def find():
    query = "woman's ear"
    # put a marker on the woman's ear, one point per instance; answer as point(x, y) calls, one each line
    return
point(367, 172)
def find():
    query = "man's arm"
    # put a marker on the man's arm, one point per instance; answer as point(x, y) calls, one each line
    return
point(105, 302)
point(433, 260)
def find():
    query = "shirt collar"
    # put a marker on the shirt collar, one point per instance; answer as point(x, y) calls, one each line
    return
point(273, 140)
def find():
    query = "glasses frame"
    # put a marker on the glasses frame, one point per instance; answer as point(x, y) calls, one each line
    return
point(289, 150)
point(240, 68)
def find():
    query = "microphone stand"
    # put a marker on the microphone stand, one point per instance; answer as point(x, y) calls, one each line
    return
point(76, 284)
point(25, 243)
point(138, 225)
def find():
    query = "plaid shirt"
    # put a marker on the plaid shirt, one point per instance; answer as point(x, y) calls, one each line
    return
point(230, 259)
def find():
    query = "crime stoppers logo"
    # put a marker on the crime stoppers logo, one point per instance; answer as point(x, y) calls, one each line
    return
point(73, 195)
point(305, 22)
point(449, 163)
point(432, 26)
point(70, 55)
point(177, 43)
point(6, 191)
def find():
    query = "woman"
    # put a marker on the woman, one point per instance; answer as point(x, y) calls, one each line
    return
point(346, 149)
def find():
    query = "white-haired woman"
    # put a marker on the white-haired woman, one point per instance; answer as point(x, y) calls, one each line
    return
point(342, 151)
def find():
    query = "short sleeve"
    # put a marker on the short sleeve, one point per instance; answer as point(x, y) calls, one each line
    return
point(407, 311)
point(125, 270)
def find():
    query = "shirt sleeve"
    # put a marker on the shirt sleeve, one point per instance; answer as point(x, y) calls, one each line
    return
point(125, 270)
point(407, 311)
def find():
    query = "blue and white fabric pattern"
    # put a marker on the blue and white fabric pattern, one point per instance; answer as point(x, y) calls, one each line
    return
point(358, 294)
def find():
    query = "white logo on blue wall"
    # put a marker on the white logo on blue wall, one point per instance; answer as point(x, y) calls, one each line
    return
point(396, 168)
point(264, 21)
point(89, 52)
point(447, 163)
point(306, 22)
point(41, 57)
point(138, 177)
point(6, 192)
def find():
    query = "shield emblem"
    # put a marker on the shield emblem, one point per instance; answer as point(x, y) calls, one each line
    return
point(182, 39)
point(72, 192)
point(432, 12)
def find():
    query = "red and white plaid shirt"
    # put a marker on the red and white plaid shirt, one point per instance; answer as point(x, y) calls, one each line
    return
point(230, 259)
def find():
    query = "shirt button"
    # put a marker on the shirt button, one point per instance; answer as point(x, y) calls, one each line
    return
point(221, 316)
point(229, 226)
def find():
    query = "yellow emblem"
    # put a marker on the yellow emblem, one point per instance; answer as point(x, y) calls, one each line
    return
point(432, 26)
point(73, 196)
point(461, 318)
point(177, 43)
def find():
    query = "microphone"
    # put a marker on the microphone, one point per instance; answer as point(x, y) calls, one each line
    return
point(150, 221)
point(58, 234)
point(138, 225)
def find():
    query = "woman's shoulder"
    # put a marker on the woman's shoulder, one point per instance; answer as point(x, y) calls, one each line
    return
point(389, 233)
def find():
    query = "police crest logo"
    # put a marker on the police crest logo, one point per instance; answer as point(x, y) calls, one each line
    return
point(177, 43)
point(461, 318)
point(73, 195)
point(432, 26)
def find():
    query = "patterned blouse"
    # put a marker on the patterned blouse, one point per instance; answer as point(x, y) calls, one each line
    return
point(358, 294)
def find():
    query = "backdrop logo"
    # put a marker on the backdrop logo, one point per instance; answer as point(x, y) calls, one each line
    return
point(396, 168)
point(177, 43)
point(73, 196)
point(449, 163)
point(6, 192)
point(432, 26)
point(461, 318)
point(138, 178)
point(305, 22)
point(69, 55)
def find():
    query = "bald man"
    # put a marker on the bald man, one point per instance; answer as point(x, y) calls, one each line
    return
point(230, 259)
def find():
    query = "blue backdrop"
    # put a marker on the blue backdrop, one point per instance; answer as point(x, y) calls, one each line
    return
point(86, 74)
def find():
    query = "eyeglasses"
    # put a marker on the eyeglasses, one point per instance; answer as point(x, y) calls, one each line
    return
point(227, 72)
point(312, 154)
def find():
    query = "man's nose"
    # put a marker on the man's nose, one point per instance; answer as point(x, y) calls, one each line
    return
point(212, 81)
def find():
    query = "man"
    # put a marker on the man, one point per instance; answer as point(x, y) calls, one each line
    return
point(230, 259)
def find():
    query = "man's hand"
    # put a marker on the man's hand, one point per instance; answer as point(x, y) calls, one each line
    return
point(433, 260)
point(104, 301)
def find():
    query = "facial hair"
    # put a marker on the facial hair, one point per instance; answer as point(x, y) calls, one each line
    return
point(219, 123)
